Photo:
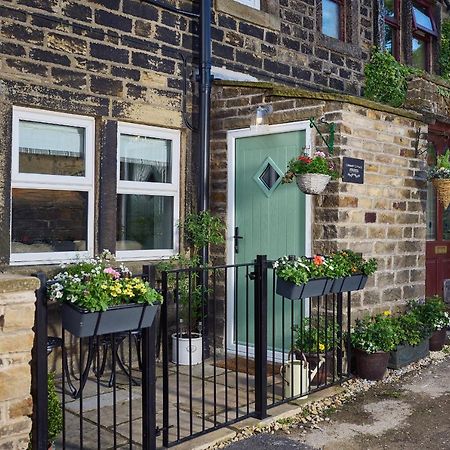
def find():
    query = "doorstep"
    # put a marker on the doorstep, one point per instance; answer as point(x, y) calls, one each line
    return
point(276, 413)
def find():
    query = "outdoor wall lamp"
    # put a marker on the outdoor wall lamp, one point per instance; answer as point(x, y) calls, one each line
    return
point(261, 116)
point(331, 129)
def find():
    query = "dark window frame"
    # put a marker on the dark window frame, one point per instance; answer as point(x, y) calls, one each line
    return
point(341, 20)
point(394, 24)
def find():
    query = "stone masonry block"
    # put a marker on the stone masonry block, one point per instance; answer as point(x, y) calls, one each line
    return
point(14, 382)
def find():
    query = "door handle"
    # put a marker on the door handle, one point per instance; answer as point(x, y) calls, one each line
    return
point(236, 238)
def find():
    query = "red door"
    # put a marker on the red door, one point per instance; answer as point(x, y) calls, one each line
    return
point(438, 222)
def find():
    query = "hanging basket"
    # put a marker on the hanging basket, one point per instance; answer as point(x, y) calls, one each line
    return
point(442, 190)
point(312, 183)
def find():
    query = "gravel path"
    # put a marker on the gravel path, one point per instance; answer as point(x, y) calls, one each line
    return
point(408, 410)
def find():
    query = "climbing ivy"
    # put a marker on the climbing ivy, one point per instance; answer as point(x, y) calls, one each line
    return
point(444, 58)
point(386, 79)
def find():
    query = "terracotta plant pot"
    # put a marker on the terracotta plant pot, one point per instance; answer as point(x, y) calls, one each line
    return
point(371, 366)
point(437, 340)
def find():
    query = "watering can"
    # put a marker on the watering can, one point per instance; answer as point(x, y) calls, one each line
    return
point(297, 376)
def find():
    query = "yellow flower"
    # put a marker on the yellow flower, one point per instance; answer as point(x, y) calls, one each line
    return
point(321, 347)
point(387, 313)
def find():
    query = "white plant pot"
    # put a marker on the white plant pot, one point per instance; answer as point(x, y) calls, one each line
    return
point(190, 351)
point(312, 183)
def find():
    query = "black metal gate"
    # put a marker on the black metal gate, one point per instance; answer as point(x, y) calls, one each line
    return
point(243, 374)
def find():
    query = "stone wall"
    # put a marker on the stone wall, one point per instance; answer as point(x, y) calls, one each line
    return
point(383, 218)
point(16, 340)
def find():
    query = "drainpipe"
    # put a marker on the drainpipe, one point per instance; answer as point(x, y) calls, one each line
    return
point(205, 106)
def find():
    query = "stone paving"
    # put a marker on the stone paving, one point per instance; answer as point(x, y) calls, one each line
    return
point(188, 414)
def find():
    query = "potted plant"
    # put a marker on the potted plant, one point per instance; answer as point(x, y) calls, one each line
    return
point(316, 339)
point(432, 312)
point(372, 339)
point(99, 299)
point(312, 173)
point(200, 230)
point(439, 175)
point(350, 270)
point(412, 340)
point(302, 277)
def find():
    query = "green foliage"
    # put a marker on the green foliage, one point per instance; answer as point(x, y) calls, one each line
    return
point(93, 285)
point(375, 334)
point(55, 413)
point(409, 328)
point(431, 313)
point(386, 79)
point(299, 270)
point(316, 335)
point(444, 57)
point(203, 229)
point(318, 163)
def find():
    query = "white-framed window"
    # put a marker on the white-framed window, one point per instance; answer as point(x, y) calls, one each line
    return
point(147, 192)
point(52, 187)
point(256, 4)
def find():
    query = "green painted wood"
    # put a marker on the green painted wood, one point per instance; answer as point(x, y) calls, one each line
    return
point(272, 225)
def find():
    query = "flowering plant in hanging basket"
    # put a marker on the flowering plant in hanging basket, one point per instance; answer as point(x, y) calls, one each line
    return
point(312, 173)
point(439, 175)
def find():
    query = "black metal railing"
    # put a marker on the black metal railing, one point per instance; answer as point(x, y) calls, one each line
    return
point(259, 350)
point(105, 383)
point(231, 349)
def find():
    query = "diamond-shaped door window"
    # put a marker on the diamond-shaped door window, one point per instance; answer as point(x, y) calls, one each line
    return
point(268, 177)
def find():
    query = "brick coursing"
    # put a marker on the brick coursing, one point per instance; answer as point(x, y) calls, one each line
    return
point(383, 218)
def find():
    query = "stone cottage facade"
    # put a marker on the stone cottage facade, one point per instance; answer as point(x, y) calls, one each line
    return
point(98, 142)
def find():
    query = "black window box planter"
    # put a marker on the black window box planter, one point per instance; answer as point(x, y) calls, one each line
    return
point(351, 283)
point(82, 323)
point(407, 354)
point(313, 288)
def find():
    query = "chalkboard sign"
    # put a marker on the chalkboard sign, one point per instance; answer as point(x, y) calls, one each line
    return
point(353, 170)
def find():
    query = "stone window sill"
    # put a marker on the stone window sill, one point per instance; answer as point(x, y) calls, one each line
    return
point(257, 17)
point(344, 48)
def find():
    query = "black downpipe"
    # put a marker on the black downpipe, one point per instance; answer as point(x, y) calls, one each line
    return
point(205, 106)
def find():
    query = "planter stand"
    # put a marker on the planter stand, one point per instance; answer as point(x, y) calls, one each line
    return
point(407, 354)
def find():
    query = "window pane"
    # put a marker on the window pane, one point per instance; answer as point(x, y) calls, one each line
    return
point(446, 224)
point(144, 222)
point(419, 53)
point(48, 221)
point(422, 18)
point(51, 149)
point(389, 44)
point(431, 212)
point(145, 159)
point(331, 18)
point(389, 8)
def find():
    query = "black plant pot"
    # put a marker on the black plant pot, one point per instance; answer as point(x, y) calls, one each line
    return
point(407, 354)
point(371, 366)
point(313, 288)
point(82, 323)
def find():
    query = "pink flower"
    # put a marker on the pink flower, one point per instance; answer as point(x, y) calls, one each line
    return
point(112, 272)
point(321, 154)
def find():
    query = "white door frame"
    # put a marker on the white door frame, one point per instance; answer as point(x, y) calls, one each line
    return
point(232, 136)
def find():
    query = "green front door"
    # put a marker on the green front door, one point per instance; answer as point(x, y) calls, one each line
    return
point(269, 216)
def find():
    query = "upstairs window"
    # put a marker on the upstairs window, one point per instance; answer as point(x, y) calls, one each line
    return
point(332, 14)
point(424, 30)
point(391, 27)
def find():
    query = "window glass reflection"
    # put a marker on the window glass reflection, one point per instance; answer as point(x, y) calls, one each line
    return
point(419, 56)
point(145, 159)
point(422, 18)
point(331, 15)
point(51, 149)
point(388, 39)
point(48, 221)
point(389, 8)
